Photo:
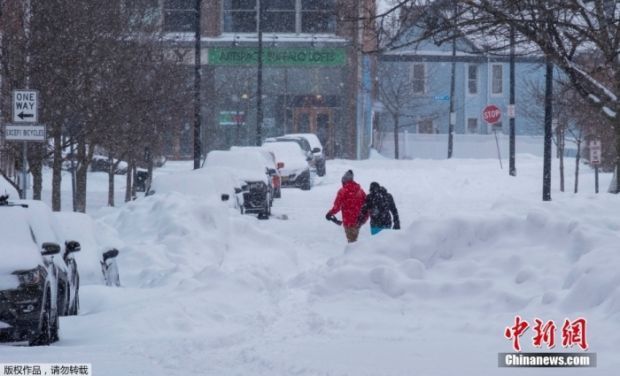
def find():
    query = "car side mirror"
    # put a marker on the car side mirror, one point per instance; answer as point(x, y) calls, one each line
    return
point(72, 246)
point(280, 165)
point(271, 171)
point(225, 197)
point(50, 249)
point(316, 150)
point(238, 190)
point(112, 253)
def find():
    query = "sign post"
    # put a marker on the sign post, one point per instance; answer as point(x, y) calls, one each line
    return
point(492, 115)
point(595, 159)
point(25, 117)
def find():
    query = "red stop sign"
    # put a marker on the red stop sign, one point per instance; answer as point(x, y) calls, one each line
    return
point(492, 114)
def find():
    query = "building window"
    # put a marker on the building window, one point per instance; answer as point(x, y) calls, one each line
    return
point(143, 13)
point(280, 16)
point(497, 83)
point(426, 126)
point(318, 16)
point(240, 16)
point(418, 78)
point(179, 15)
point(472, 79)
point(472, 125)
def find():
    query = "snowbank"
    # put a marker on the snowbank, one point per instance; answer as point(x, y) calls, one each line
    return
point(174, 238)
point(513, 261)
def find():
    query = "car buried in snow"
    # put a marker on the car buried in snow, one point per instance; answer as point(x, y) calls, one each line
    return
point(34, 283)
point(270, 163)
point(249, 166)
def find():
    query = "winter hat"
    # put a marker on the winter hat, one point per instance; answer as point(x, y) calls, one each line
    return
point(348, 176)
point(374, 186)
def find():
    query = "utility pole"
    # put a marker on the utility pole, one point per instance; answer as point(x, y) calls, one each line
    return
point(512, 170)
point(28, 33)
point(548, 131)
point(197, 80)
point(452, 88)
point(259, 77)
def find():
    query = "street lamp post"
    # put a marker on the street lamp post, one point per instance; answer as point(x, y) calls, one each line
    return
point(259, 77)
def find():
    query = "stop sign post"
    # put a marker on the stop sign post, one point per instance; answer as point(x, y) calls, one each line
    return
point(492, 115)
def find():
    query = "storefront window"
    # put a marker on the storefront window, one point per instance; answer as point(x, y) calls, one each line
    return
point(318, 16)
point(179, 15)
point(240, 16)
point(279, 16)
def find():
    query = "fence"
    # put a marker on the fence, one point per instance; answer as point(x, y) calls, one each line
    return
point(473, 146)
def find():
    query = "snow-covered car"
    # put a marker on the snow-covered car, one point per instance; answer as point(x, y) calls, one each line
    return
point(318, 153)
point(101, 163)
point(45, 229)
point(295, 170)
point(211, 183)
point(257, 191)
point(270, 163)
point(29, 277)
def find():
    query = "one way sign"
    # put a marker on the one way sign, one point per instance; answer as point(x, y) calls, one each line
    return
point(25, 106)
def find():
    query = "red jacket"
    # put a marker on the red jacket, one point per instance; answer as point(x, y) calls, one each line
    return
point(350, 199)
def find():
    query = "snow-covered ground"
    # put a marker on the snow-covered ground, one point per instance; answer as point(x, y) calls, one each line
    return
point(207, 291)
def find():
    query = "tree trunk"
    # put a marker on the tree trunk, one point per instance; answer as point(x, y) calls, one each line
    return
point(111, 181)
point(128, 183)
point(57, 172)
point(396, 126)
point(36, 169)
point(80, 178)
point(577, 158)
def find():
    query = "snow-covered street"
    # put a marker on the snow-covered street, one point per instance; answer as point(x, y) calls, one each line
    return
point(207, 291)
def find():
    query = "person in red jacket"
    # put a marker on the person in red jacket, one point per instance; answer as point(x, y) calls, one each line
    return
point(349, 200)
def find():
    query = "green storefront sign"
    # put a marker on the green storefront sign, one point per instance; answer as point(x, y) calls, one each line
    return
point(296, 57)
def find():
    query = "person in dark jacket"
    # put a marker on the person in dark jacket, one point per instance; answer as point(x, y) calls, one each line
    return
point(380, 206)
point(349, 200)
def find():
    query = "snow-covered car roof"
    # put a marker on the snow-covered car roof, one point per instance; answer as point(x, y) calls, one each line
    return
point(290, 153)
point(312, 139)
point(243, 163)
point(207, 182)
point(268, 155)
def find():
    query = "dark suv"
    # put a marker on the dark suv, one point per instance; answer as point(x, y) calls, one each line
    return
point(28, 280)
